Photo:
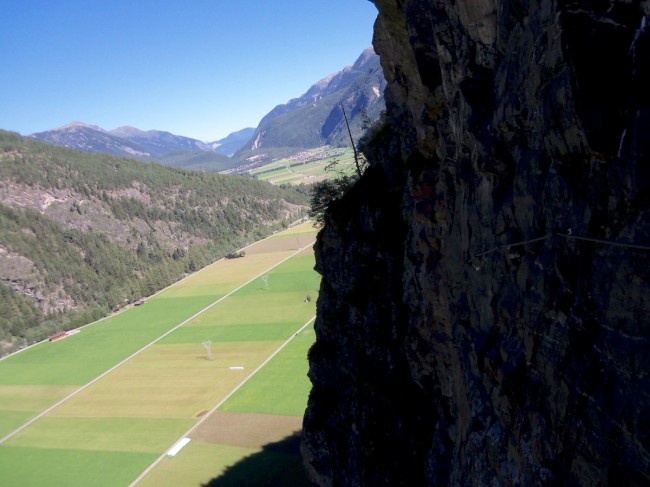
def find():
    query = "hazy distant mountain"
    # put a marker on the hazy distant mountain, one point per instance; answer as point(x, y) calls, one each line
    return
point(316, 118)
point(90, 138)
point(158, 143)
point(123, 141)
point(233, 142)
point(150, 145)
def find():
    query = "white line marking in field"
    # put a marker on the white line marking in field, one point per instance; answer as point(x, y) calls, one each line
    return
point(211, 411)
point(82, 388)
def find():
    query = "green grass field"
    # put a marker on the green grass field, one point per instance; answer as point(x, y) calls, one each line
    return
point(46, 466)
point(289, 171)
point(280, 388)
point(112, 430)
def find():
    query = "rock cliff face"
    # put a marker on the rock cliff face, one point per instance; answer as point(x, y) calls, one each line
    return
point(484, 315)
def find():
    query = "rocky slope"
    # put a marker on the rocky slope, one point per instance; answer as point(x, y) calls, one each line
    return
point(315, 118)
point(483, 315)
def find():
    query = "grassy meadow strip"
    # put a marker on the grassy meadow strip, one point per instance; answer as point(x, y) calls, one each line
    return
point(136, 412)
point(282, 386)
point(37, 467)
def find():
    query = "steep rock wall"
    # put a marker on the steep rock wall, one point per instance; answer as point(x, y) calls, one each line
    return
point(484, 316)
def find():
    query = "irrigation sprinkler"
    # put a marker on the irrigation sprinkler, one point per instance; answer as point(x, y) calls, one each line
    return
point(208, 346)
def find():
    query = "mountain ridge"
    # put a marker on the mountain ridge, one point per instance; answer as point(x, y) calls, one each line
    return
point(232, 142)
point(311, 120)
point(147, 145)
point(315, 118)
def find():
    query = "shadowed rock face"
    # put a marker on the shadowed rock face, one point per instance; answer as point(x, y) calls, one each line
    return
point(484, 315)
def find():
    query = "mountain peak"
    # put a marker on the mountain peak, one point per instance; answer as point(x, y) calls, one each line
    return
point(77, 124)
point(156, 145)
point(315, 118)
point(126, 131)
point(368, 55)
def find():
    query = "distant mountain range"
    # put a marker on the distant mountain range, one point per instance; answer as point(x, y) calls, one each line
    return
point(312, 120)
point(233, 142)
point(151, 145)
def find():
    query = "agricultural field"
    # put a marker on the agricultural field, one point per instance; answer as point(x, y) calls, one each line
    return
point(253, 438)
point(178, 356)
point(306, 167)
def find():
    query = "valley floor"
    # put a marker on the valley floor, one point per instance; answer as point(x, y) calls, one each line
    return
point(126, 389)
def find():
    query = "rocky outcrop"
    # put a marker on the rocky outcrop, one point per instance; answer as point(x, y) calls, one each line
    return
point(484, 308)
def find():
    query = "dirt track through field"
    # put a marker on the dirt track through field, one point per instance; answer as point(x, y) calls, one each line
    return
point(247, 430)
point(296, 242)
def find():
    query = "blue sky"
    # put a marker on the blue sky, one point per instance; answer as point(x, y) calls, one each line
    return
point(199, 68)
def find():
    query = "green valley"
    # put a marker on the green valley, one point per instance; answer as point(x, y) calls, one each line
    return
point(100, 407)
point(86, 234)
point(307, 167)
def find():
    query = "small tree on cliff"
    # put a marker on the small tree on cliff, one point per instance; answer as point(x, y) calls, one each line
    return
point(327, 191)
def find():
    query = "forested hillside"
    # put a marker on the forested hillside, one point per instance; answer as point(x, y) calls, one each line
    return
point(84, 234)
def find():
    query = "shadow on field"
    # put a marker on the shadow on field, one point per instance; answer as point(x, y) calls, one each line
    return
point(278, 464)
